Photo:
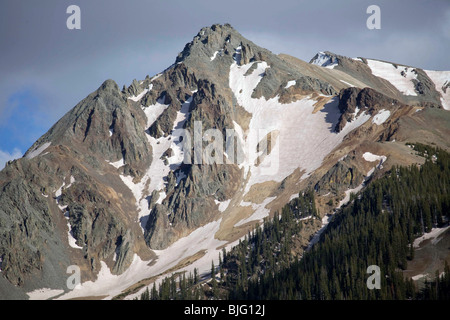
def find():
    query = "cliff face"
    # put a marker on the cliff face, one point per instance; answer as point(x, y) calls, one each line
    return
point(65, 178)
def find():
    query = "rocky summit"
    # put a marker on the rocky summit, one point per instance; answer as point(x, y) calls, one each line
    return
point(158, 177)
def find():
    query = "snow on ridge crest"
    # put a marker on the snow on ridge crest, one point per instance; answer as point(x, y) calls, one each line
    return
point(324, 60)
point(401, 77)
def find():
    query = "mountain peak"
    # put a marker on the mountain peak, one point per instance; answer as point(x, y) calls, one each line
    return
point(109, 84)
point(325, 59)
point(118, 175)
point(209, 40)
point(220, 41)
point(216, 27)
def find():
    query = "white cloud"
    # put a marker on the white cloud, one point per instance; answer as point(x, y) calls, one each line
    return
point(6, 156)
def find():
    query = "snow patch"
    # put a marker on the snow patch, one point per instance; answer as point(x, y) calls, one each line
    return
point(70, 237)
point(223, 205)
point(58, 193)
point(441, 79)
point(419, 276)
point(117, 164)
point(357, 120)
point(290, 84)
point(400, 77)
point(199, 240)
point(139, 96)
point(215, 54)
point(260, 211)
point(347, 83)
point(153, 112)
point(370, 172)
point(72, 181)
point(237, 55)
point(381, 117)
point(294, 196)
point(156, 77)
point(433, 234)
point(44, 294)
point(162, 196)
point(325, 221)
point(312, 134)
point(37, 151)
point(348, 193)
point(142, 94)
point(370, 157)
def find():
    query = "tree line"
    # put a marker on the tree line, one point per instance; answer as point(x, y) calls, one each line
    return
point(377, 227)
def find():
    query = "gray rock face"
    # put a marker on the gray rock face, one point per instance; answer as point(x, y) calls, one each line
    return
point(426, 89)
point(134, 89)
point(342, 176)
point(190, 204)
point(365, 99)
point(198, 53)
point(31, 249)
point(76, 162)
point(29, 220)
point(87, 127)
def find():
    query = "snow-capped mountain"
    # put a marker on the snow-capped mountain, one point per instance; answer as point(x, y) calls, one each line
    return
point(158, 177)
point(325, 59)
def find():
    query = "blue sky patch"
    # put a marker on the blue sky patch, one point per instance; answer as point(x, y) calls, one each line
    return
point(23, 121)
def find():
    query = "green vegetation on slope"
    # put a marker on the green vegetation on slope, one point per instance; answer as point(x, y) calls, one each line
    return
point(377, 228)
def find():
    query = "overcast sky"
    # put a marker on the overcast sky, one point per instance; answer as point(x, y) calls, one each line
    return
point(46, 69)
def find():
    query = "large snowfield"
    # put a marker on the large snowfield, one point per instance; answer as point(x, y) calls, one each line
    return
point(304, 139)
point(112, 285)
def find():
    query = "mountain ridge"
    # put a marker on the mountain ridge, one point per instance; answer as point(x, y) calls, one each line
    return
point(111, 177)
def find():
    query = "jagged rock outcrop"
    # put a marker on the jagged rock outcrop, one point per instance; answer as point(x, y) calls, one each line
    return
point(342, 176)
point(353, 101)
